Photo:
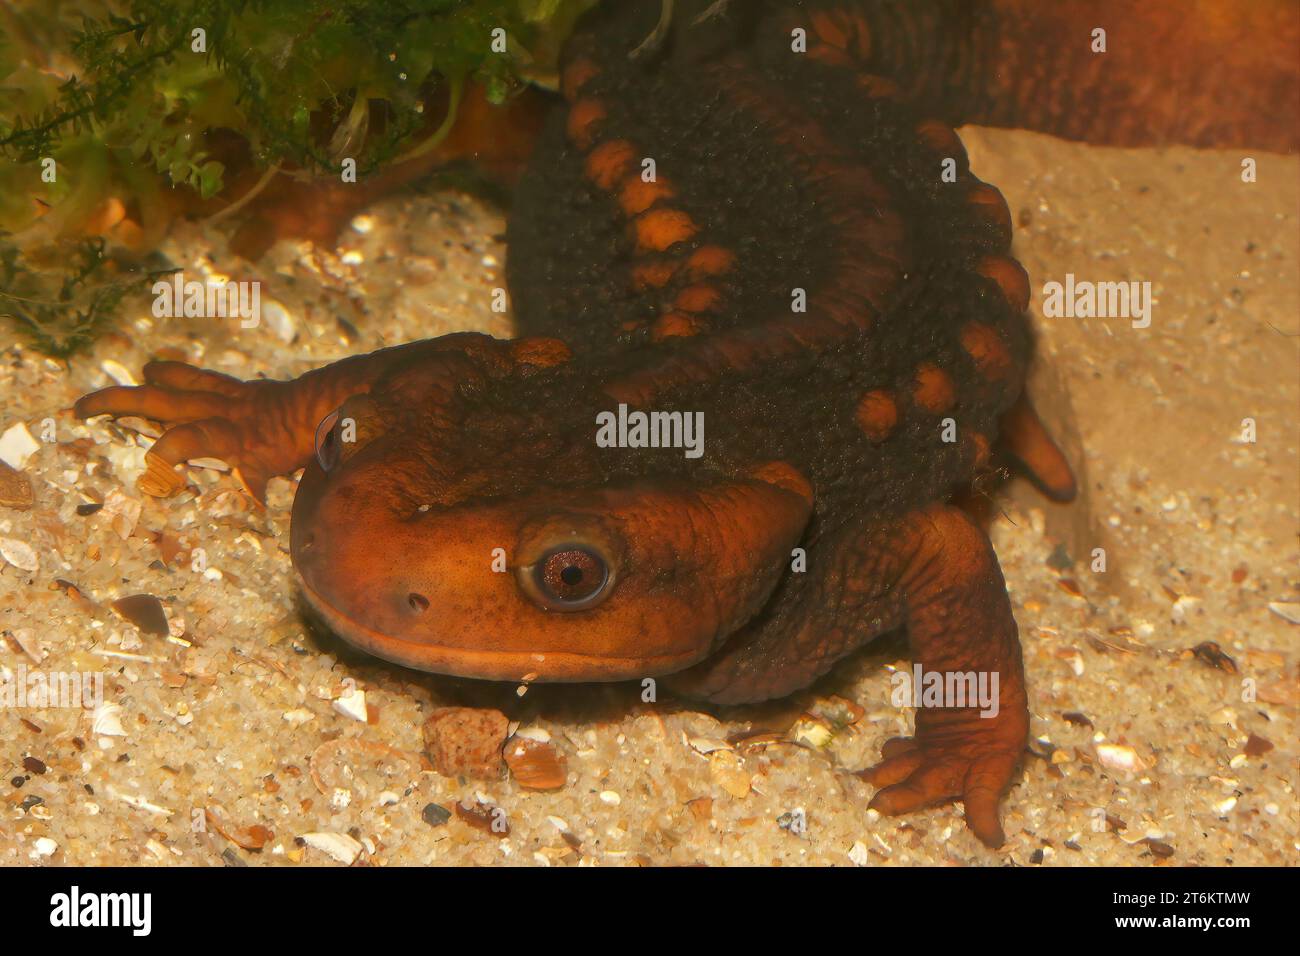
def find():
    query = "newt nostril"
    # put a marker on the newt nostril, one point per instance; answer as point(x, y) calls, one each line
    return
point(308, 540)
point(418, 602)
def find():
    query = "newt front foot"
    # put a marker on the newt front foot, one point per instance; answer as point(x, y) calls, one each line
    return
point(207, 415)
point(971, 759)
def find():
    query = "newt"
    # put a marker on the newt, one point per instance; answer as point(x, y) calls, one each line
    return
point(748, 221)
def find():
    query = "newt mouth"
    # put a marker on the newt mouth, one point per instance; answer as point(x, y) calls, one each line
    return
point(482, 664)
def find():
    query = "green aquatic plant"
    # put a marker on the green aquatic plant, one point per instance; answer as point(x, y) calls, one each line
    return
point(107, 107)
point(62, 296)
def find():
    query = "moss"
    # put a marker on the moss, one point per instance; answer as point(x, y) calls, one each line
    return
point(125, 97)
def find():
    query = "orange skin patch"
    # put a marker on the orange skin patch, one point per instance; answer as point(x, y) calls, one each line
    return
point(991, 207)
point(608, 162)
point(977, 449)
point(710, 261)
point(831, 55)
point(877, 414)
point(576, 76)
point(784, 475)
point(934, 390)
point(700, 297)
point(942, 139)
point(1011, 278)
point(583, 117)
point(638, 195)
point(653, 275)
point(674, 325)
point(827, 28)
point(987, 349)
point(660, 229)
point(539, 352)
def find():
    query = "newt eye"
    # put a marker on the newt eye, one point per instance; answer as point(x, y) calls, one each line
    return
point(328, 444)
point(570, 577)
point(346, 430)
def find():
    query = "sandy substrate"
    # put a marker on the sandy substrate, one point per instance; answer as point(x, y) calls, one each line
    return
point(1145, 752)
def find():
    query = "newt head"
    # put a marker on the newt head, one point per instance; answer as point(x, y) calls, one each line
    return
point(454, 537)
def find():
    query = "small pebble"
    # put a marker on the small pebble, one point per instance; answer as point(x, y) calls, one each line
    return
point(352, 704)
point(466, 741)
point(118, 372)
point(144, 611)
point(15, 489)
point(17, 445)
point(34, 765)
point(435, 814)
point(340, 846)
point(19, 553)
point(106, 721)
point(1118, 757)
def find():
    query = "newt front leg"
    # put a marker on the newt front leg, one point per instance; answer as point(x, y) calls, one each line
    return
point(934, 573)
point(959, 623)
point(261, 428)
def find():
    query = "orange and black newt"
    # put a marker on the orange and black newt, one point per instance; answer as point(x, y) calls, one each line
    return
point(749, 221)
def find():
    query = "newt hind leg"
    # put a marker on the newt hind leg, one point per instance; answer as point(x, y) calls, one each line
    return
point(1022, 435)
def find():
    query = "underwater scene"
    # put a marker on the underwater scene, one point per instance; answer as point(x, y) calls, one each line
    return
point(561, 433)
